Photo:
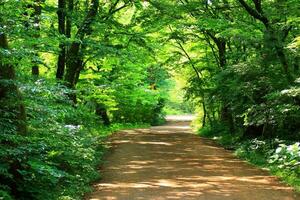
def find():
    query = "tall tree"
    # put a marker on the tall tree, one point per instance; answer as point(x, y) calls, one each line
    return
point(64, 14)
point(10, 97)
point(275, 36)
point(61, 14)
point(33, 11)
point(73, 59)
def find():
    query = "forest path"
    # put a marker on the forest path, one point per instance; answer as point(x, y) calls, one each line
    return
point(168, 162)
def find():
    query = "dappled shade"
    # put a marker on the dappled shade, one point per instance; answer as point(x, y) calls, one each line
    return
point(168, 162)
point(73, 72)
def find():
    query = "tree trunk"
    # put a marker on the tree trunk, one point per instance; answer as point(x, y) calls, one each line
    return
point(69, 18)
point(61, 61)
point(37, 14)
point(12, 113)
point(225, 113)
point(204, 113)
point(226, 117)
point(221, 44)
point(11, 101)
point(79, 69)
point(34, 23)
point(274, 41)
point(277, 36)
point(102, 113)
point(61, 29)
point(72, 66)
point(35, 70)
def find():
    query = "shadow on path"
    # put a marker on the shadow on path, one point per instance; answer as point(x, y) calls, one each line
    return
point(168, 162)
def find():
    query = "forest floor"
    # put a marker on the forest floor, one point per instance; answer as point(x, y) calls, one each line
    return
point(169, 162)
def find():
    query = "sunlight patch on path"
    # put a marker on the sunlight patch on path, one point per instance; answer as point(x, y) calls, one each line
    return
point(168, 162)
point(188, 117)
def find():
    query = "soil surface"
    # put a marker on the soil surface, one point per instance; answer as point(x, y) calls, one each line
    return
point(169, 162)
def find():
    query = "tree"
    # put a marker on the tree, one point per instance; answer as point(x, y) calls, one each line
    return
point(10, 97)
point(73, 59)
point(273, 34)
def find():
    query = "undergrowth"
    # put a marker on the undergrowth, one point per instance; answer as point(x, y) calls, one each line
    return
point(280, 157)
point(59, 157)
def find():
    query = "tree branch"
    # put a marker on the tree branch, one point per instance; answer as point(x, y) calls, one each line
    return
point(257, 14)
point(88, 19)
point(257, 4)
point(112, 10)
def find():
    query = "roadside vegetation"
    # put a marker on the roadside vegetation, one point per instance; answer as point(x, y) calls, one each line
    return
point(279, 156)
point(74, 71)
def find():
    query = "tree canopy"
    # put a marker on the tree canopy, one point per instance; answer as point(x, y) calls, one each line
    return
point(73, 70)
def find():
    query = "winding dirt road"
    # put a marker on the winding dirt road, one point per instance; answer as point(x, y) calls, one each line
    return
point(168, 162)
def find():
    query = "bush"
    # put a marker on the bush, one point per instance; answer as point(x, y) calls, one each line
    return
point(221, 134)
point(255, 150)
point(282, 160)
point(287, 157)
point(216, 130)
point(61, 151)
point(138, 106)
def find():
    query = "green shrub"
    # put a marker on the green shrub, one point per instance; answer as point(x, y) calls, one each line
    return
point(215, 130)
point(61, 151)
point(281, 159)
point(287, 157)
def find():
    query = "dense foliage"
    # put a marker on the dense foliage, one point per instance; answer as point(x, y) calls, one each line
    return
point(71, 71)
point(240, 60)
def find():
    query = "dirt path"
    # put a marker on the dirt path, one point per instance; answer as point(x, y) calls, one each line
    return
point(168, 162)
